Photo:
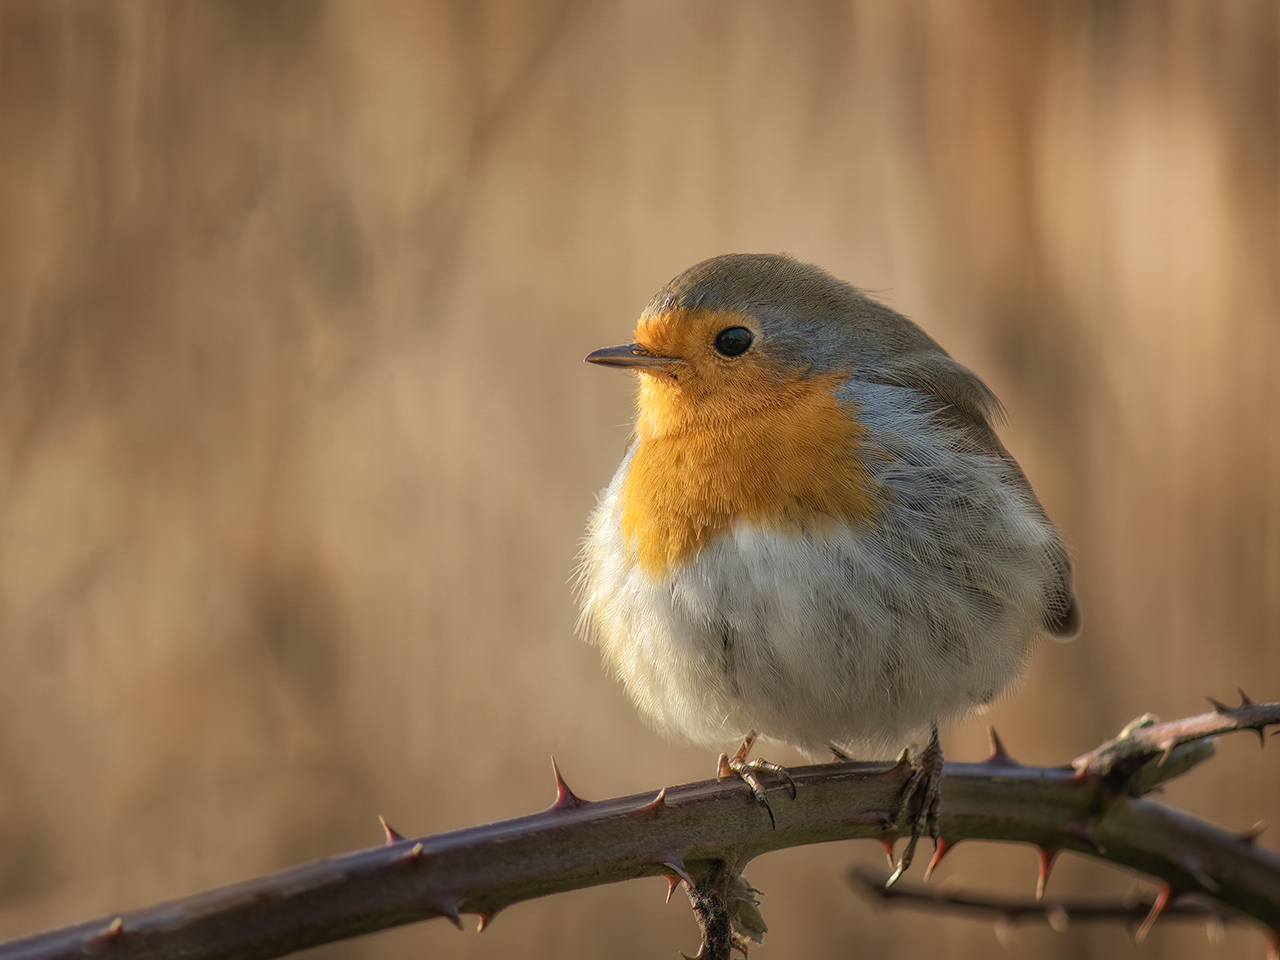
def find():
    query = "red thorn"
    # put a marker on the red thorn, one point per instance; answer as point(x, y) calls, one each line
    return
point(1157, 908)
point(1168, 749)
point(999, 755)
point(447, 906)
point(1082, 833)
point(1250, 837)
point(940, 850)
point(392, 835)
point(483, 919)
point(413, 853)
point(888, 850)
point(1218, 705)
point(564, 796)
point(1244, 698)
point(1273, 945)
point(672, 882)
point(676, 866)
point(108, 933)
point(1047, 857)
point(655, 805)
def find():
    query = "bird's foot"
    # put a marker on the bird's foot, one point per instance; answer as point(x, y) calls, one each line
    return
point(921, 798)
point(747, 771)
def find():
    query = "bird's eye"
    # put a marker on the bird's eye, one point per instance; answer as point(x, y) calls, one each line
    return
point(733, 341)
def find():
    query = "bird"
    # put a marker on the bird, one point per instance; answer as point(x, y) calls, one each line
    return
point(815, 535)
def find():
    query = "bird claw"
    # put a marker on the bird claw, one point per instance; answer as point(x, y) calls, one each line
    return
point(922, 797)
point(746, 770)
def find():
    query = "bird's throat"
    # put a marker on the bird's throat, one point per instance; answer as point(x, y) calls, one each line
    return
point(790, 463)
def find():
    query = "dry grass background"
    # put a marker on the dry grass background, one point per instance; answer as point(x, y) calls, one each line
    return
point(297, 443)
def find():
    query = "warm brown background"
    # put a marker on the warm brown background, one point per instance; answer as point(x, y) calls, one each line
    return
point(297, 442)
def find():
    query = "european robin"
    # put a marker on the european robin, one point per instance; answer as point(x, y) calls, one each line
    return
point(816, 535)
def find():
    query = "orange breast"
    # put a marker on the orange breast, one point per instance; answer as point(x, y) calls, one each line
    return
point(784, 457)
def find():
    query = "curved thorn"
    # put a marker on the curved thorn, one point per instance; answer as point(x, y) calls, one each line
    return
point(1057, 917)
point(390, 831)
point(1157, 908)
point(1168, 750)
point(941, 848)
point(672, 882)
point(564, 796)
point(112, 930)
point(483, 919)
point(1218, 705)
point(1261, 731)
point(447, 907)
point(1047, 857)
point(1244, 698)
point(1250, 837)
point(999, 755)
point(413, 853)
point(888, 850)
point(653, 806)
point(676, 866)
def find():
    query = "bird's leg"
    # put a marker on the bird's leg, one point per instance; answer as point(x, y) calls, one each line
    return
point(745, 770)
point(921, 797)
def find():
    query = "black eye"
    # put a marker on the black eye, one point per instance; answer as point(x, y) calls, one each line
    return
point(733, 341)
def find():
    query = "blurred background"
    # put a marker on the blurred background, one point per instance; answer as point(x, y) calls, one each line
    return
point(296, 441)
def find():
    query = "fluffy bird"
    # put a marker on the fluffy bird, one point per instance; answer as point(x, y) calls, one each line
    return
point(816, 535)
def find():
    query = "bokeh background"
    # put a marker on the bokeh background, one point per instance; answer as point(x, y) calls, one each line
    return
point(296, 443)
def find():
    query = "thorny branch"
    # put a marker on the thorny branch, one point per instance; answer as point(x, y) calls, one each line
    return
point(703, 834)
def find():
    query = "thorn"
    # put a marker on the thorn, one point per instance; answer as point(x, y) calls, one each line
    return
point(1244, 698)
point(941, 848)
point(1004, 930)
point(447, 906)
point(838, 755)
point(1218, 705)
point(392, 835)
point(676, 866)
point(1084, 834)
point(1047, 856)
point(108, 933)
point(1057, 917)
point(655, 805)
point(1168, 749)
point(1250, 837)
point(1261, 731)
point(1157, 908)
point(1273, 945)
point(564, 796)
point(672, 882)
point(999, 755)
point(1215, 929)
point(723, 770)
point(413, 853)
point(483, 919)
point(888, 850)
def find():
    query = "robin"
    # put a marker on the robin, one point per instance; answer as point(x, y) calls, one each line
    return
point(815, 536)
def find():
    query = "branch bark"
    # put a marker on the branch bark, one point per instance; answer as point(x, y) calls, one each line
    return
point(701, 833)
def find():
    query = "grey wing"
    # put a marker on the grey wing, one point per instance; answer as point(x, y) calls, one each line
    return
point(970, 406)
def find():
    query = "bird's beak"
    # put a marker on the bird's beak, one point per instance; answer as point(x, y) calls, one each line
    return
point(629, 355)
